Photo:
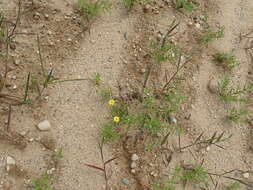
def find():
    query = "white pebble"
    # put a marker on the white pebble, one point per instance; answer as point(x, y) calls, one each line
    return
point(246, 175)
point(133, 165)
point(134, 157)
point(44, 125)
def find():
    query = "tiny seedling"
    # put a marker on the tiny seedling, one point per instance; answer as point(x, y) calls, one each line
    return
point(185, 5)
point(228, 93)
point(164, 186)
point(42, 183)
point(226, 60)
point(96, 79)
point(129, 3)
point(210, 35)
point(91, 9)
point(238, 115)
point(233, 186)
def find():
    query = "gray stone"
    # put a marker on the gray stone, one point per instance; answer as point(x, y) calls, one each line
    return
point(125, 181)
point(133, 165)
point(213, 86)
point(44, 125)
point(135, 157)
point(10, 163)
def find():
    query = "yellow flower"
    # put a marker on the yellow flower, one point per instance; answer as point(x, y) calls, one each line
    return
point(111, 102)
point(116, 119)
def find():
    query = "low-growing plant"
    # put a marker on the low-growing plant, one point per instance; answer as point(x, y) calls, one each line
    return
point(210, 35)
point(105, 94)
point(233, 186)
point(194, 174)
point(130, 3)
point(227, 60)
point(91, 9)
point(109, 133)
point(167, 51)
point(42, 183)
point(96, 79)
point(238, 115)
point(185, 5)
point(228, 93)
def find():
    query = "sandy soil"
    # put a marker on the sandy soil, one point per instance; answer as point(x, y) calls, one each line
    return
point(116, 47)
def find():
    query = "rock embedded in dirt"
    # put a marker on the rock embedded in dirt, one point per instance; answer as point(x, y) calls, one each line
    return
point(198, 26)
point(133, 165)
point(10, 163)
point(125, 181)
point(135, 157)
point(246, 175)
point(213, 86)
point(146, 8)
point(173, 120)
point(44, 125)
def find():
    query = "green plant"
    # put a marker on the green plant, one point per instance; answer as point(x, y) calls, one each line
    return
point(42, 183)
point(92, 9)
point(109, 133)
point(166, 51)
point(210, 35)
point(238, 115)
point(233, 186)
point(227, 60)
point(164, 186)
point(194, 174)
point(96, 79)
point(105, 94)
point(129, 3)
point(185, 5)
point(228, 93)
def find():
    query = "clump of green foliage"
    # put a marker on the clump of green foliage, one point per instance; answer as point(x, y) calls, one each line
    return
point(210, 35)
point(129, 4)
point(233, 186)
point(109, 133)
point(227, 60)
point(229, 93)
point(91, 9)
point(193, 174)
point(185, 5)
point(168, 51)
point(238, 115)
point(96, 79)
point(42, 183)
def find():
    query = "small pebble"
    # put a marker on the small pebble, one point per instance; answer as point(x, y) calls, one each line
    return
point(197, 25)
point(125, 181)
point(246, 175)
point(208, 148)
point(146, 8)
point(133, 165)
point(135, 157)
point(44, 125)
point(10, 163)
point(133, 171)
point(173, 120)
point(213, 86)
point(143, 71)
point(46, 16)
